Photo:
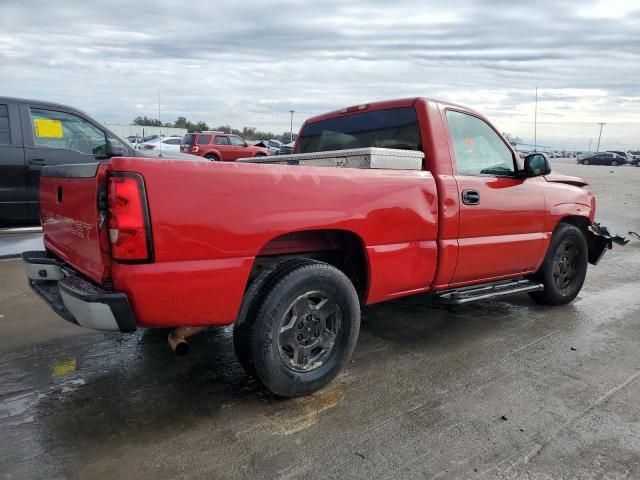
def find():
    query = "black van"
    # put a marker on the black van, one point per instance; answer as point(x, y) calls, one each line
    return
point(35, 133)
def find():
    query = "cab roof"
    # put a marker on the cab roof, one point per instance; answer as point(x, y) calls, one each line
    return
point(385, 105)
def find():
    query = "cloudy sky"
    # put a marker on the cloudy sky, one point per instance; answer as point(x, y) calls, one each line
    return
point(250, 62)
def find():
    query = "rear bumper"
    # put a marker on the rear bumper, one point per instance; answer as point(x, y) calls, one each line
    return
point(75, 298)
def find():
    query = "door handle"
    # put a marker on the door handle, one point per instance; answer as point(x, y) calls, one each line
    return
point(37, 161)
point(470, 197)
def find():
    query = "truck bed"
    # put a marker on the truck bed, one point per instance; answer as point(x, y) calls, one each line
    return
point(210, 221)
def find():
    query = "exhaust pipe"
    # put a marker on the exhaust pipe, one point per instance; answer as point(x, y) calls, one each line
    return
point(178, 339)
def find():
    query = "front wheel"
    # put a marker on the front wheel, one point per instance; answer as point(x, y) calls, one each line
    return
point(564, 268)
point(614, 163)
point(305, 329)
point(585, 162)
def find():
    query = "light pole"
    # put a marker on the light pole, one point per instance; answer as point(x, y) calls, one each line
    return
point(589, 146)
point(602, 124)
point(535, 124)
point(291, 129)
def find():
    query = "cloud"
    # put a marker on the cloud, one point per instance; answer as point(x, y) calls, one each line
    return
point(250, 63)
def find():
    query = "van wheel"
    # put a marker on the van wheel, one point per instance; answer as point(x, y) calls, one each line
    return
point(212, 157)
point(614, 163)
point(305, 329)
point(564, 268)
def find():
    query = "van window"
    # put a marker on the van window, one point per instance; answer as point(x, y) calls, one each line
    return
point(188, 139)
point(60, 130)
point(393, 128)
point(204, 139)
point(5, 131)
point(221, 140)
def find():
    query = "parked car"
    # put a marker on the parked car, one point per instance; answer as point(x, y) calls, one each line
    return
point(624, 155)
point(286, 149)
point(219, 146)
point(34, 134)
point(272, 145)
point(166, 144)
point(635, 160)
point(290, 253)
point(605, 158)
point(134, 139)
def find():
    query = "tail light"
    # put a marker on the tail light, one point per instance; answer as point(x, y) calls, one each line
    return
point(129, 227)
point(149, 147)
point(194, 148)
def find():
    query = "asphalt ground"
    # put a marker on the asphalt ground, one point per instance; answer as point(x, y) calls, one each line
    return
point(501, 389)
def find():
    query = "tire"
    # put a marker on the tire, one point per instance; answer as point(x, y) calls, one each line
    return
point(564, 267)
point(614, 163)
point(253, 298)
point(212, 157)
point(305, 329)
point(585, 162)
point(260, 155)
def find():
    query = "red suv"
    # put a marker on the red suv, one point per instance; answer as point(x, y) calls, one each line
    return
point(220, 146)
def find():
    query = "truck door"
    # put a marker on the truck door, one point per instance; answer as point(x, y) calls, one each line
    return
point(54, 137)
point(501, 216)
point(13, 189)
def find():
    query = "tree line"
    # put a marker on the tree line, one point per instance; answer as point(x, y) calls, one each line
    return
point(251, 133)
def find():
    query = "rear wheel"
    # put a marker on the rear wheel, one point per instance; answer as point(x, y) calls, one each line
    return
point(305, 329)
point(614, 163)
point(564, 268)
point(212, 157)
point(585, 162)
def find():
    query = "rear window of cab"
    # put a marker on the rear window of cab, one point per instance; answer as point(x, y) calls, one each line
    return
point(204, 139)
point(392, 128)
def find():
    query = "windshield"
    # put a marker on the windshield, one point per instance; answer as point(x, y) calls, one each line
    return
point(394, 128)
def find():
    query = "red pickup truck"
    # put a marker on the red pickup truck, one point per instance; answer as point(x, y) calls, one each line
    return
point(290, 253)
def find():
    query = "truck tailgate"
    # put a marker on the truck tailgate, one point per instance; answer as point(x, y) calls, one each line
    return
point(70, 217)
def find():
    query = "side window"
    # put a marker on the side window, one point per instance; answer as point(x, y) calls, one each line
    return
point(204, 139)
point(237, 142)
point(53, 129)
point(478, 148)
point(221, 140)
point(173, 141)
point(5, 132)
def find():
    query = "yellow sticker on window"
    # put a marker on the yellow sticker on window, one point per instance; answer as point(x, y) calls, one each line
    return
point(44, 127)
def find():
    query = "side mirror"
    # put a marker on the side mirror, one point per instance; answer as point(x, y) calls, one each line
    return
point(536, 164)
point(114, 148)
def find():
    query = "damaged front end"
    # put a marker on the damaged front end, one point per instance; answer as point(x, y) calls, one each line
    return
point(599, 240)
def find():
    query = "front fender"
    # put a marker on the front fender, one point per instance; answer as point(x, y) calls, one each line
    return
point(564, 210)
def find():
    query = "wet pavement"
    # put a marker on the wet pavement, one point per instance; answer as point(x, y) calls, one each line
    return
point(501, 389)
point(13, 244)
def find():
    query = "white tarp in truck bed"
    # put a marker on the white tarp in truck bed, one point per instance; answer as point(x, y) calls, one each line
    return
point(383, 158)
